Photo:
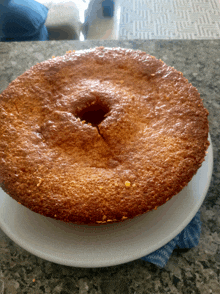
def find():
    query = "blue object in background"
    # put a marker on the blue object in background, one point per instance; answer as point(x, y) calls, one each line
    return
point(187, 239)
point(22, 20)
point(108, 8)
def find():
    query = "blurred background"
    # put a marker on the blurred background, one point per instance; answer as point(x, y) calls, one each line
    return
point(118, 19)
point(141, 19)
point(82, 19)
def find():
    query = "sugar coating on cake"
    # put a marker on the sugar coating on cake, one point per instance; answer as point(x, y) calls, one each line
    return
point(100, 135)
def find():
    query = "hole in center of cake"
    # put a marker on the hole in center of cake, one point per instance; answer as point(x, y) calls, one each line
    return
point(94, 114)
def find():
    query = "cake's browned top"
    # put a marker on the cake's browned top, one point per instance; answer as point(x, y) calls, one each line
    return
point(100, 135)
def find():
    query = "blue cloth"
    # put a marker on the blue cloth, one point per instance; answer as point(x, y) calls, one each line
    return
point(22, 20)
point(188, 238)
point(108, 8)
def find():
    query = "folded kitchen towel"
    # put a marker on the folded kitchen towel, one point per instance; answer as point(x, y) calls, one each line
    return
point(22, 20)
point(188, 238)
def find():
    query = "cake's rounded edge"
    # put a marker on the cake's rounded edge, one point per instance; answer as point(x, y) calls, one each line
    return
point(94, 219)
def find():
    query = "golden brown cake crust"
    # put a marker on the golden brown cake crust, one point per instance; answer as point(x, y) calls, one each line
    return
point(147, 139)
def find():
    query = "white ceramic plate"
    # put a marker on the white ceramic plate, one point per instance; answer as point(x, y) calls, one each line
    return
point(105, 245)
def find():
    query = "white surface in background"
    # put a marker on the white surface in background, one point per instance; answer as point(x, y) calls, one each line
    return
point(80, 4)
point(169, 19)
point(66, 17)
point(72, 13)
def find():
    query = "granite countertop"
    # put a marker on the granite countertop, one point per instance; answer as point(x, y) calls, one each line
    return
point(194, 271)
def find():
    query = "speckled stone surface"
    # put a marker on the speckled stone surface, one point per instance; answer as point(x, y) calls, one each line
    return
point(194, 271)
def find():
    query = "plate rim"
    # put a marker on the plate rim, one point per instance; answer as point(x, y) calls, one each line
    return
point(102, 263)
